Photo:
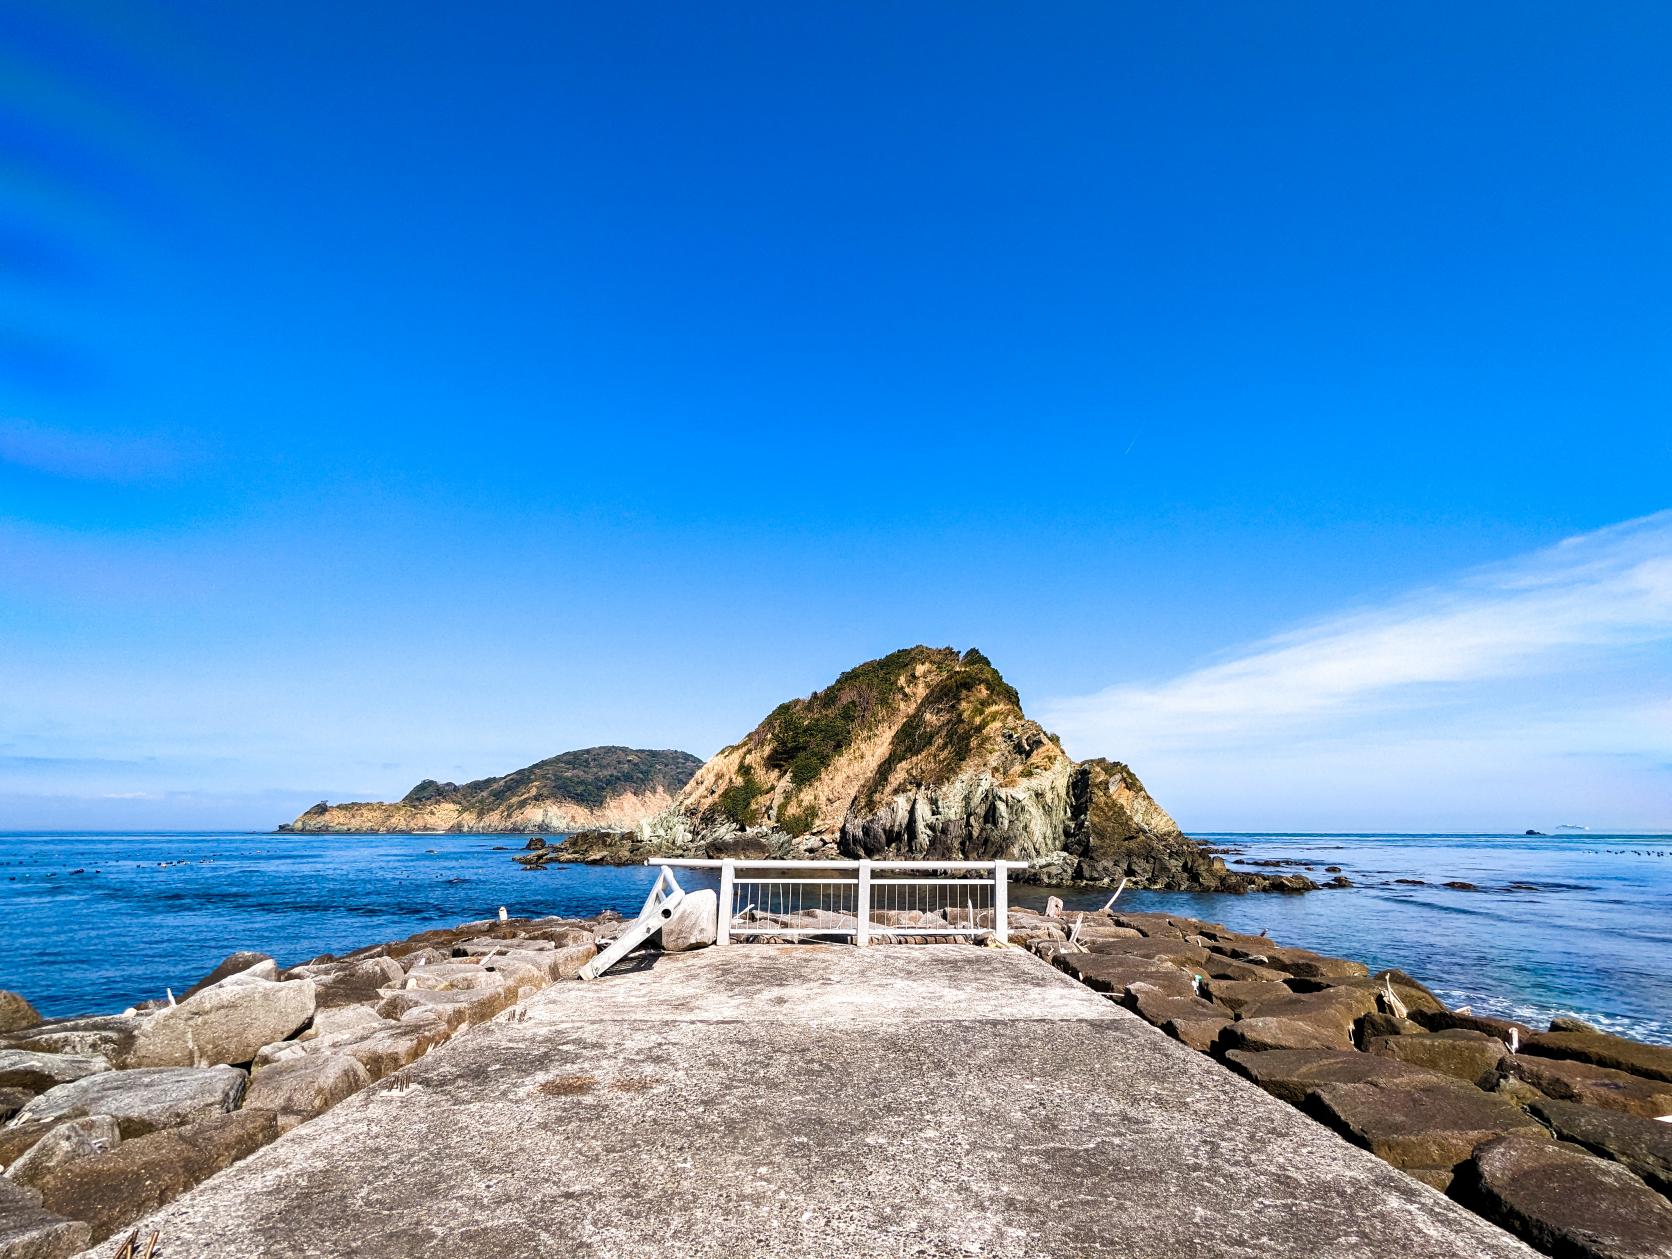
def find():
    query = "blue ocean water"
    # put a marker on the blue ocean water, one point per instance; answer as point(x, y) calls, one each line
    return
point(1568, 924)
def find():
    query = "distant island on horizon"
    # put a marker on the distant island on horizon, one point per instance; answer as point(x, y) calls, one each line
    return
point(921, 754)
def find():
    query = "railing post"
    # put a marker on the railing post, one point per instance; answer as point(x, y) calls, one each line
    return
point(1001, 902)
point(728, 876)
point(862, 932)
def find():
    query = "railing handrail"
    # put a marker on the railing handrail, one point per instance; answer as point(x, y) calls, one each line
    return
point(737, 870)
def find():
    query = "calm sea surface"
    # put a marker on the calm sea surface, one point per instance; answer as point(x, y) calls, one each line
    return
point(1574, 923)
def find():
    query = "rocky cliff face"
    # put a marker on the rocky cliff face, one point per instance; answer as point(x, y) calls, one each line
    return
point(924, 753)
point(614, 788)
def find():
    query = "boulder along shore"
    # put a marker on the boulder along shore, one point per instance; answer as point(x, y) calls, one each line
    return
point(1556, 1135)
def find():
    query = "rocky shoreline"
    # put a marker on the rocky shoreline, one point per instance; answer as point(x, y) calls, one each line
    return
point(105, 1118)
point(1556, 1135)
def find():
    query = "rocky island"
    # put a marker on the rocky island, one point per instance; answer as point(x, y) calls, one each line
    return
point(609, 787)
point(922, 754)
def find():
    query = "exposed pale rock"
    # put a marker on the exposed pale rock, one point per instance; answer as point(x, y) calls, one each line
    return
point(227, 1023)
point(250, 965)
point(36, 1072)
point(110, 1037)
point(452, 1008)
point(1565, 1202)
point(422, 957)
point(142, 1100)
point(354, 983)
point(343, 1018)
point(694, 922)
point(77, 1138)
point(299, 1089)
point(452, 977)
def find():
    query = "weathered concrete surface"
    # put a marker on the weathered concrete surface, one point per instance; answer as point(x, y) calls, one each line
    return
point(816, 1101)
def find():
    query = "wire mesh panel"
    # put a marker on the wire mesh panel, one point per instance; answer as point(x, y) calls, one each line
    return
point(865, 901)
point(952, 905)
point(794, 908)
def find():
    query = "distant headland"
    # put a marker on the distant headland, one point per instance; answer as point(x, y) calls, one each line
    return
point(923, 753)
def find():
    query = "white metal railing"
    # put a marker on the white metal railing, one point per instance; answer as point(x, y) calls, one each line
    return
point(858, 900)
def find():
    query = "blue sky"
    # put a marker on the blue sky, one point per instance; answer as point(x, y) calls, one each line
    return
point(391, 392)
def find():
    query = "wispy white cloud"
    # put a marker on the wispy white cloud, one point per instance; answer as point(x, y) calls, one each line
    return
point(1562, 652)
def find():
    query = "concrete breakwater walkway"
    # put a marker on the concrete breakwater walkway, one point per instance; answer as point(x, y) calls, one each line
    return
point(817, 1101)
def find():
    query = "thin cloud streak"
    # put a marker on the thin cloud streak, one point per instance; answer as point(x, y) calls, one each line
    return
point(1584, 604)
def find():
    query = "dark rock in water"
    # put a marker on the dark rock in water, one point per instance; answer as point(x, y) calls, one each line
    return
point(1339, 880)
point(1473, 1057)
point(1290, 1074)
point(1411, 993)
point(1433, 1125)
point(1603, 1050)
point(1302, 963)
point(1565, 1202)
point(534, 844)
point(16, 1013)
point(1532, 832)
point(1460, 886)
point(1414, 882)
point(1567, 1023)
point(235, 964)
point(1643, 1145)
point(1443, 1020)
point(1571, 1081)
point(29, 1231)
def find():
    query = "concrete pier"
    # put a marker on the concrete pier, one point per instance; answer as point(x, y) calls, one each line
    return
point(818, 1101)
